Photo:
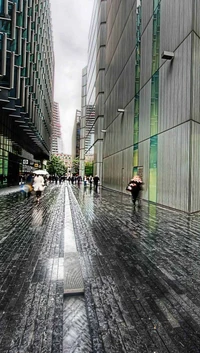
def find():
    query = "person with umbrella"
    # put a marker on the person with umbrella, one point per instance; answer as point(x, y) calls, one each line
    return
point(38, 185)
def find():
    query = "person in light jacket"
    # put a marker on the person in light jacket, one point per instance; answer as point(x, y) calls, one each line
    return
point(38, 186)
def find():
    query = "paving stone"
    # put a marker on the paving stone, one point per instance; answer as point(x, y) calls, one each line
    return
point(140, 269)
point(141, 273)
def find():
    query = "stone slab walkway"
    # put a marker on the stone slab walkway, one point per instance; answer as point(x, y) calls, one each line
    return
point(141, 269)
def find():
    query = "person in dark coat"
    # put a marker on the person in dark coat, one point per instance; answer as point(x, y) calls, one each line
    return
point(96, 182)
point(136, 187)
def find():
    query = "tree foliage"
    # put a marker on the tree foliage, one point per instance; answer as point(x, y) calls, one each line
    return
point(88, 168)
point(75, 165)
point(56, 166)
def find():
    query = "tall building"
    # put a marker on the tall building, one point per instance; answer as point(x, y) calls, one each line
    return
point(97, 37)
point(76, 135)
point(83, 122)
point(26, 86)
point(151, 99)
point(56, 138)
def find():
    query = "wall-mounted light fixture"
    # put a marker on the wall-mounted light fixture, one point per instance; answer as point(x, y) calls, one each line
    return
point(168, 55)
point(104, 131)
point(121, 110)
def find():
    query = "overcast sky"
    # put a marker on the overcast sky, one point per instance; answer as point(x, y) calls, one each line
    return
point(71, 21)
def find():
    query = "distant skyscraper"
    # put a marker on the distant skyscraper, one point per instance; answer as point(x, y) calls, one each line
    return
point(76, 135)
point(83, 122)
point(56, 139)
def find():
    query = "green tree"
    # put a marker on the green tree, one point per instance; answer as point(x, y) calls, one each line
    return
point(88, 168)
point(75, 165)
point(56, 166)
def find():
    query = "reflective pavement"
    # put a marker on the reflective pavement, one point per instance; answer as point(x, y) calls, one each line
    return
point(34, 315)
point(140, 268)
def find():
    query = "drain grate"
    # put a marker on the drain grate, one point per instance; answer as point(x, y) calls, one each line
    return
point(73, 280)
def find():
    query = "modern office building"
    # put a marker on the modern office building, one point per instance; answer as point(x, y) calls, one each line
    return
point(56, 137)
point(83, 122)
point(26, 86)
point(95, 85)
point(76, 135)
point(151, 99)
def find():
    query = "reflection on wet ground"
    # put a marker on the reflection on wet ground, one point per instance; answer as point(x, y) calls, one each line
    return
point(31, 287)
point(141, 275)
point(141, 271)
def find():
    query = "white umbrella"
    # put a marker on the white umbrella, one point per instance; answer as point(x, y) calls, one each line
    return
point(40, 172)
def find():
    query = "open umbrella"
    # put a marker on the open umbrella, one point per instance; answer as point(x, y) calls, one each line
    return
point(40, 172)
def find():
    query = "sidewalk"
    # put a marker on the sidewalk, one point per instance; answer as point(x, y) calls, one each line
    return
point(141, 270)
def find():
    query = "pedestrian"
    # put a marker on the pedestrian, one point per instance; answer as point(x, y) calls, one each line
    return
point(90, 181)
point(38, 186)
point(29, 183)
point(85, 181)
point(79, 180)
point(136, 187)
point(96, 182)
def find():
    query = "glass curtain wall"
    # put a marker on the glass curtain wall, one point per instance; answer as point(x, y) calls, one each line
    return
point(154, 103)
point(137, 89)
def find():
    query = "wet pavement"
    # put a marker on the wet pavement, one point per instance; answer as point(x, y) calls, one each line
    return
point(141, 268)
point(31, 279)
point(141, 271)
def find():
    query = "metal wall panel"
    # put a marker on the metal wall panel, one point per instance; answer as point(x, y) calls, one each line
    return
point(144, 148)
point(196, 17)
point(98, 148)
point(195, 167)
point(122, 92)
point(146, 54)
point(117, 171)
point(119, 135)
point(147, 13)
point(175, 88)
point(176, 23)
point(145, 111)
point(112, 9)
point(120, 46)
point(99, 107)
point(173, 167)
point(195, 77)
point(100, 60)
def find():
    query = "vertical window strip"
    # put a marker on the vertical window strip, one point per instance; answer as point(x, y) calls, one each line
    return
point(153, 168)
point(154, 103)
point(137, 88)
point(156, 39)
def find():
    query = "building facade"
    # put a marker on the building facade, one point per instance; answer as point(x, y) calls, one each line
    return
point(83, 122)
point(26, 86)
point(56, 137)
point(76, 135)
point(151, 101)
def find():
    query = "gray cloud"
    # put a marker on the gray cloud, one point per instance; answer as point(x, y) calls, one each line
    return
point(70, 20)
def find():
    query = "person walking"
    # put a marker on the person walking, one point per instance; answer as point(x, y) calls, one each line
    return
point(29, 183)
point(96, 182)
point(90, 181)
point(38, 186)
point(136, 187)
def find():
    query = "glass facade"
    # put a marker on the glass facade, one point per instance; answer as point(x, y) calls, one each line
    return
point(154, 103)
point(137, 89)
point(26, 84)
point(90, 94)
point(153, 168)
